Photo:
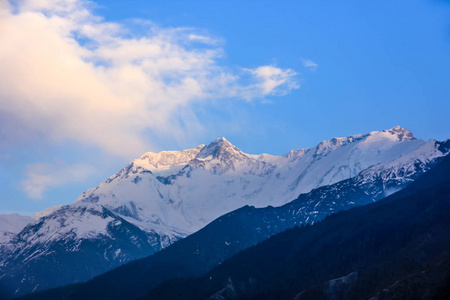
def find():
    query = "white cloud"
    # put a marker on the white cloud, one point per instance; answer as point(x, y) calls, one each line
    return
point(42, 176)
point(68, 74)
point(309, 64)
point(272, 81)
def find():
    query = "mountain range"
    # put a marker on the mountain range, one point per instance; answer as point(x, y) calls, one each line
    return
point(163, 197)
point(397, 248)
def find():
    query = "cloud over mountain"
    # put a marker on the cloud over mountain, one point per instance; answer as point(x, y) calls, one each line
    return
point(67, 73)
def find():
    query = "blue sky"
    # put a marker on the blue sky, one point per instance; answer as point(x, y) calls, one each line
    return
point(88, 86)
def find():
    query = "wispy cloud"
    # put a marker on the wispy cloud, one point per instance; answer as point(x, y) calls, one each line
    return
point(274, 81)
point(68, 74)
point(203, 39)
point(42, 176)
point(269, 81)
point(309, 64)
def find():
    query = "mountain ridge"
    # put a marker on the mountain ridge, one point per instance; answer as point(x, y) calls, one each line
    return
point(235, 231)
point(374, 250)
point(162, 197)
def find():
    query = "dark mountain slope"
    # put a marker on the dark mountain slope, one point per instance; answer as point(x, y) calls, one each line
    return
point(378, 245)
point(191, 256)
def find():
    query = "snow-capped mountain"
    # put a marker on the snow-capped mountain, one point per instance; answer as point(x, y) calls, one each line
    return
point(219, 240)
point(46, 212)
point(368, 186)
point(183, 191)
point(12, 224)
point(162, 197)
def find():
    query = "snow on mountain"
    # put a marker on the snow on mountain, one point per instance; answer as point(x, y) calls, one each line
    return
point(247, 226)
point(73, 244)
point(12, 224)
point(166, 160)
point(46, 212)
point(402, 168)
point(368, 186)
point(161, 197)
point(208, 181)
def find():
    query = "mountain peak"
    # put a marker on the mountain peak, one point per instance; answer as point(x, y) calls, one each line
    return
point(220, 149)
point(221, 141)
point(401, 133)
